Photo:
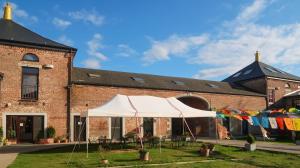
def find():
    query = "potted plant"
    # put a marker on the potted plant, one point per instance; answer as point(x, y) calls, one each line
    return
point(103, 160)
point(64, 139)
point(50, 132)
point(297, 138)
point(1, 136)
point(204, 150)
point(250, 145)
point(144, 155)
point(57, 139)
point(211, 148)
point(11, 137)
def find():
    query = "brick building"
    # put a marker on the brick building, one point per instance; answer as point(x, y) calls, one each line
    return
point(39, 87)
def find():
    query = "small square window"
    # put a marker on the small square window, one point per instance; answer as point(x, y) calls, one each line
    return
point(212, 85)
point(137, 79)
point(91, 75)
point(178, 83)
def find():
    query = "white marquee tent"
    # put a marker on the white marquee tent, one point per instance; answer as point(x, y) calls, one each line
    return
point(145, 106)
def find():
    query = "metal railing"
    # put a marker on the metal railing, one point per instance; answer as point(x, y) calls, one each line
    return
point(29, 92)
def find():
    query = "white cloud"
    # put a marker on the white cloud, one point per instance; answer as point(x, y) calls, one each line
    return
point(88, 16)
point(173, 46)
point(95, 55)
point(60, 23)
point(237, 43)
point(65, 40)
point(251, 12)
point(92, 63)
point(22, 14)
point(125, 50)
point(94, 45)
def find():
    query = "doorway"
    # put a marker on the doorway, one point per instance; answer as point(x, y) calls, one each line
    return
point(79, 128)
point(148, 127)
point(24, 128)
point(116, 128)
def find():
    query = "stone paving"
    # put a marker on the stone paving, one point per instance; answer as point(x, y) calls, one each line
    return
point(262, 145)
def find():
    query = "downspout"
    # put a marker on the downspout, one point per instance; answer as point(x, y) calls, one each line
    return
point(69, 89)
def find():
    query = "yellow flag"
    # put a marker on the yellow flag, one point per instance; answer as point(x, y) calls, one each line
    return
point(297, 124)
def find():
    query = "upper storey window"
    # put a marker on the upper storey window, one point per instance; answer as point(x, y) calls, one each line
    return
point(30, 57)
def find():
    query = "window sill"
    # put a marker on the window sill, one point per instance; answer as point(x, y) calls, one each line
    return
point(28, 100)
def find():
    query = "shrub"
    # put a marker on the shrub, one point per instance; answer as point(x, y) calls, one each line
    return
point(1, 132)
point(204, 146)
point(50, 132)
point(250, 139)
point(11, 134)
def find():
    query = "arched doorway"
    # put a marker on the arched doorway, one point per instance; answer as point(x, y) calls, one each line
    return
point(200, 127)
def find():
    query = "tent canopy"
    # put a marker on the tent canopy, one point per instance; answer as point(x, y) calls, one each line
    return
point(147, 106)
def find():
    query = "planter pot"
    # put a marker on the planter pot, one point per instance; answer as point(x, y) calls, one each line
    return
point(297, 142)
point(144, 156)
point(46, 141)
point(104, 161)
point(11, 142)
point(204, 152)
point(250, 147)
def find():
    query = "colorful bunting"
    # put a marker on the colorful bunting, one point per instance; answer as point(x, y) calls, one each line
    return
point(280, 123)
point(296, 124)
point(255, 121)
point(265, 122)
point(250, 121)
point(273, 122)
point(289, 123)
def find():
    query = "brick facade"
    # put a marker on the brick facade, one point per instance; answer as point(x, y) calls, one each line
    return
point(52, 99)
point(84, 97)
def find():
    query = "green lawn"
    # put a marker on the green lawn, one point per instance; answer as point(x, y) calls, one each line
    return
point(223, 157)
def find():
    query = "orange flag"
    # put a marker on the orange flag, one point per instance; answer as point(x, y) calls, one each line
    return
point(289, 123)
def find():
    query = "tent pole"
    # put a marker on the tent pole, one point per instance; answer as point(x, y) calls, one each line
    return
point(189, 129)
point(159, 135)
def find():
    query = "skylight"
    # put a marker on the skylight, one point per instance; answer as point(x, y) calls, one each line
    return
point(178, 83)
point(212, 85)
point(270, 69)
point(137, 79)
point(92, 75)
point(248, 71)
point(237, 74)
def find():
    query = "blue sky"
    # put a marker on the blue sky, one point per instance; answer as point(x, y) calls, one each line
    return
point(186, 38)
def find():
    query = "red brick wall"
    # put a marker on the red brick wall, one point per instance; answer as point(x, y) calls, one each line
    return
point(279, 86)
point(52, 84)
point(84, 97)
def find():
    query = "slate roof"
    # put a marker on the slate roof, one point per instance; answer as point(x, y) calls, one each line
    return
point(259, 69)
point(12, 33)
point(84, 76)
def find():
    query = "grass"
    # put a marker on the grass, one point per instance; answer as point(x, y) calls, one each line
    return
point(223, 157)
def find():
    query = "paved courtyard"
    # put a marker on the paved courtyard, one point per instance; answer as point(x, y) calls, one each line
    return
point(263, 145)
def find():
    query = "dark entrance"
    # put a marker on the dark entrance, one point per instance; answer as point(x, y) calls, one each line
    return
point(148, 127)
point(24, 128)
point(200, 127)
point(79, 128)
point(116, 128)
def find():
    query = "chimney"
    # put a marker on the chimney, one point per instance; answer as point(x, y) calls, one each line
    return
point(257, 55)
point(7, 14)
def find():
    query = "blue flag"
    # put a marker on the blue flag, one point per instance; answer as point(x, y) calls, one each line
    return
point(255, 121)
point(265, 122)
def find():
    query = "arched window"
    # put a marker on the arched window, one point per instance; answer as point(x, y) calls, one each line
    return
point(30, 57)
point(287, 85)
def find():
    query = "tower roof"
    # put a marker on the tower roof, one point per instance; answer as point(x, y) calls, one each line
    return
point(14, 34)
point(259, 69)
